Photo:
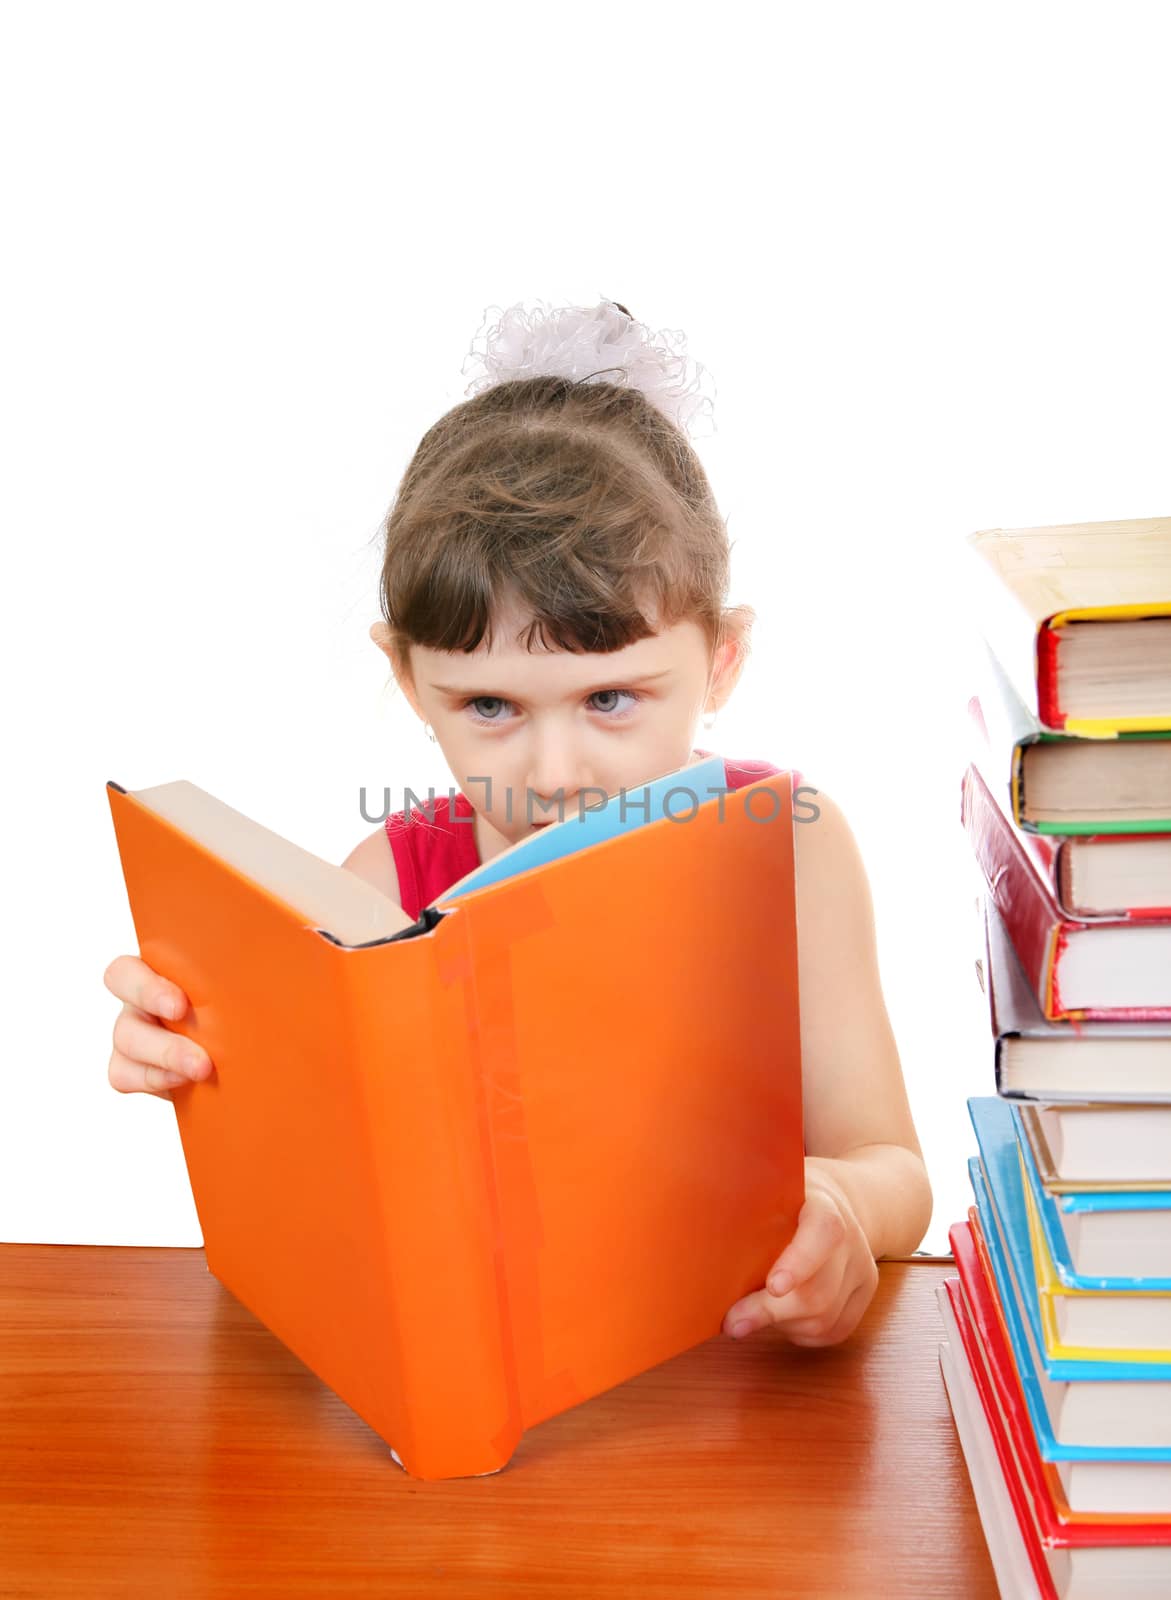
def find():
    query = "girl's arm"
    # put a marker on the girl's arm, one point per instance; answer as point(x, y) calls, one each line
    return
point(373, 860)
point(867, 1192)
point(858, 1125)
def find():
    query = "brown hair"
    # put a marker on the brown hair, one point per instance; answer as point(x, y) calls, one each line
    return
point(579, 501)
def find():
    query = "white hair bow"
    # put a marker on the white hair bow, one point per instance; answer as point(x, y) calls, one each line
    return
point(603, 342)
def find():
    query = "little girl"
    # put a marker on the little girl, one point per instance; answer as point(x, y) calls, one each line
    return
point(552, 597)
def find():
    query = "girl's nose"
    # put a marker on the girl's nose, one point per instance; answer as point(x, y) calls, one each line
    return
point(552, 806)
point(553, 785)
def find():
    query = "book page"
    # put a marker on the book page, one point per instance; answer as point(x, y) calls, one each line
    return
point(678, 794)
point(329, 897)
point(1066, 567)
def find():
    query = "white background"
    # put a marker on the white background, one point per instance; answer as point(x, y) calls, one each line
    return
point(919, 247)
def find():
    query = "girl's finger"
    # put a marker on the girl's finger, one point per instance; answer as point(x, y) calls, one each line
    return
point(131, 1077)
point(813, 1332)
point(761, 1308)
point(140, 1038)
point(820, 1230)
point(133, 982)
point(812, 1298)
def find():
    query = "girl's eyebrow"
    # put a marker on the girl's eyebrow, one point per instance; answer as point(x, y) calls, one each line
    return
point(486, 694)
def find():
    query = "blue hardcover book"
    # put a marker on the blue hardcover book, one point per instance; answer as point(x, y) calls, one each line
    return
point(1114, 1200)
point(1136, 1200)
point(676, 796)
point(996, 1135)
point(1043, 1381)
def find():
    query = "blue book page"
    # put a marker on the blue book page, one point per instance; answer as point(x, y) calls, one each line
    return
point(677, 795)
point(1055, 1233)
point(1001, 1168)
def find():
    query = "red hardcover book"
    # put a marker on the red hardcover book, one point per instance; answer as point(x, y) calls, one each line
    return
point(1107, 1062)
point(1043, 936)
point(1062, 1557)
point(1040, 1478)
point(1004, 1461)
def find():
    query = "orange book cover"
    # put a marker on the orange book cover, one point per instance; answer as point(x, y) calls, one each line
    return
point(476, 1169)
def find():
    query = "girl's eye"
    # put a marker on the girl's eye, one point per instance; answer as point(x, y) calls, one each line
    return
point(488, 708)
point(490, 700)
point(609, 694)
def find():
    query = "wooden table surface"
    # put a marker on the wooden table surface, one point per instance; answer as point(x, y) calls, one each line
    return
point(156, 1440)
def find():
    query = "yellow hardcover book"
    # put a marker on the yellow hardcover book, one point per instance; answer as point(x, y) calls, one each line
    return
point(1108, 727)
point(1056, 1182)
point(1075, 1322)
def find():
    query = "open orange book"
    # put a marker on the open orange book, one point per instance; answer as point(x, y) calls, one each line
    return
point(477, 1168)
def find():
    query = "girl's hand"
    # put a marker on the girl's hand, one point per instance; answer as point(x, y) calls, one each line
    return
point(823, 1281)
point(148, 1058)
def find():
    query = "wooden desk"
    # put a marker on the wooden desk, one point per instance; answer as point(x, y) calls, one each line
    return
point(156, 1440)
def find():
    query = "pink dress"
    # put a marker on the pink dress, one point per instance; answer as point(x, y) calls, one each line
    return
point(434, 850)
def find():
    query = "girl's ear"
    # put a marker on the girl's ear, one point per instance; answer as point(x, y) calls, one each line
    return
point(728, 661)
point(381, 634)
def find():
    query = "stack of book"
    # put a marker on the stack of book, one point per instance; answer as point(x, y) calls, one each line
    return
point(1057, 1349)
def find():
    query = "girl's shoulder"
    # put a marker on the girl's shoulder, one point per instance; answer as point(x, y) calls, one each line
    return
point(739, 773)
point(434, 813)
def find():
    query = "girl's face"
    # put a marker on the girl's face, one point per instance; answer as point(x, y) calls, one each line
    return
point(526, 733)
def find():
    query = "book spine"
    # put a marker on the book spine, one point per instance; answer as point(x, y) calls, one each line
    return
point(417, 1026)
point(998, 1069)
point(985, 967)
point(1038, 930)
point(991, 985)
point(991, 751)
point(1045, 850)
point(1031, 916)
point(1050, 851)
point(1003, 620)
point(1009, 728)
